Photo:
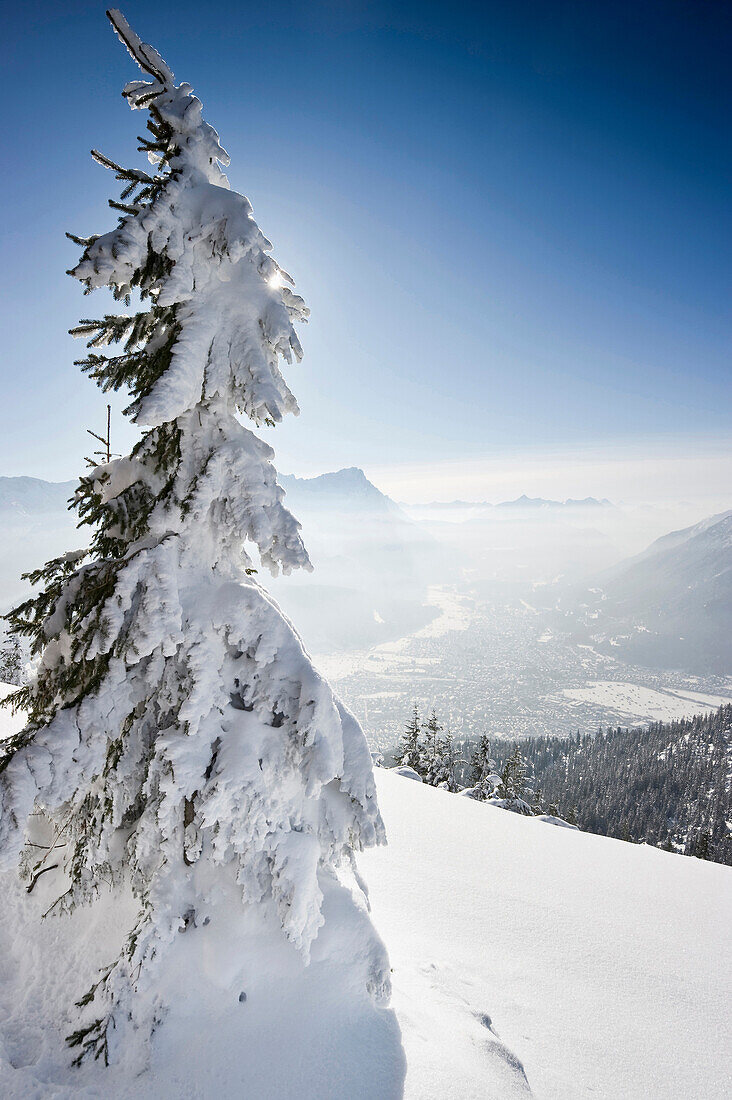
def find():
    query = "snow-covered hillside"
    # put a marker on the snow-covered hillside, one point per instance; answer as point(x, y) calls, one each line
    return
point(670, 606)
point(605, 968)
point(527, 960)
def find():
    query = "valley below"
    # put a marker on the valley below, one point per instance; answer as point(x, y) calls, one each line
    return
point(523, 619)
point(491, 664)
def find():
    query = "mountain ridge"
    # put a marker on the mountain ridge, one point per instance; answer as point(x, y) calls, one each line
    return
point(523, 501)
point(669, 606)
point(349, 484)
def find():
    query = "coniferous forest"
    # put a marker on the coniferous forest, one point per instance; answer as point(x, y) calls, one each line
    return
point(667, 784)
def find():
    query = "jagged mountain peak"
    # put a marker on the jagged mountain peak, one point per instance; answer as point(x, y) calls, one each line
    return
point(348, 487)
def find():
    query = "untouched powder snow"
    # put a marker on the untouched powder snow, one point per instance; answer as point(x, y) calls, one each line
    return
point(604, 967)
point(239, 1011)
point(254, 1022)
point(526, 961)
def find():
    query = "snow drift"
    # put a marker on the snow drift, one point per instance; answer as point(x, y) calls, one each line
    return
point(526, 961)
point(547, 961)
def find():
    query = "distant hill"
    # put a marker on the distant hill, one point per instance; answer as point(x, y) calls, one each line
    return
point(534, 503)
point(520, 503)
point(372, 563)
point(28, 496)
point(36, 526)
point(670, 606)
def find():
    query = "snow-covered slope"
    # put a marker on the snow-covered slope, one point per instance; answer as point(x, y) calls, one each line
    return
point(604, 967)
point(527, 960)
point(671, 605)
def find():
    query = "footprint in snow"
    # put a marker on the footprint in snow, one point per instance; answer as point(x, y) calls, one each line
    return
point(22, 1045)
point(496, 1049)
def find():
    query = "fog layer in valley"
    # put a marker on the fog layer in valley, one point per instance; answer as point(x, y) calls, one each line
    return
point(525, 617)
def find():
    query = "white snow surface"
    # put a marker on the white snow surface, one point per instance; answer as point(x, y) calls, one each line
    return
point(527, 961)
point(407, 773)
point(245, 1015)
point(638, 704)
point(604, 967)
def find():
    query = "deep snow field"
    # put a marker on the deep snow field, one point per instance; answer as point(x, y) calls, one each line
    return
point(605, 968)
point(527, 960)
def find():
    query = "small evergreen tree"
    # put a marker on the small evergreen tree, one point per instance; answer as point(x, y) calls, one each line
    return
point(512, 790)
point(483, 767)
point(446, 763)
point(701, 846)
point(179, 739)
point(430, 763)
point(408, 752)
point(481, 763)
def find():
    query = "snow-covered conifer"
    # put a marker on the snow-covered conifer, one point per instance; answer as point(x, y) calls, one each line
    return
point(429, 751)
point(447, 763)
point(513, 792)
point(408, 752)
point(483, 767)
point(437, 758)
point(179, 740)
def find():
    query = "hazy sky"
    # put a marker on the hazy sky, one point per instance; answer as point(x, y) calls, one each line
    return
point(511, 222)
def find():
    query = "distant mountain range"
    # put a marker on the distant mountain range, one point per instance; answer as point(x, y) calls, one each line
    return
point(343, 490)
point(372, 563)
point(521, 503)
point(670, 606)
point(29, 496)
point(36, 526)
point(534, 503)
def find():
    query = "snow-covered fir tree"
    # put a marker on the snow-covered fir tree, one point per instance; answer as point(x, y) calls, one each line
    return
point(436, 756)
point(179, 740)
point(513, 792)
point(408, 750)
point(483, 770)
point(429, 750)
point(447, 763)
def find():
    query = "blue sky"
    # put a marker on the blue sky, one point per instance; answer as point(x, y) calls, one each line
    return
point(511, 222)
